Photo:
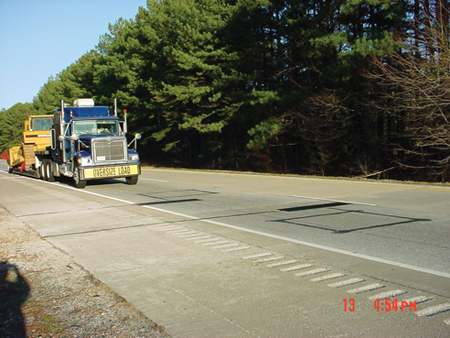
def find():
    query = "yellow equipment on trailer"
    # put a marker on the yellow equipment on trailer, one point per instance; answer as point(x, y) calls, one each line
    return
point(36, 142)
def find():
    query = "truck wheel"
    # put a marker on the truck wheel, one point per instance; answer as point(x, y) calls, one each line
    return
point(48, 171)
point(132, 180)
point(79, 184)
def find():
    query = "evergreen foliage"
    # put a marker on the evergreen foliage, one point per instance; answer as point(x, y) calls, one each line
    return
point(295, 86)
point(11, 124)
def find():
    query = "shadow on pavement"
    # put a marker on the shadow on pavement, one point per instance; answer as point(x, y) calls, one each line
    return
point(14, 291)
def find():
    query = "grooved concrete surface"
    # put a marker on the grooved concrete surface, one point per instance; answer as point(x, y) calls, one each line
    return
point(198, 279)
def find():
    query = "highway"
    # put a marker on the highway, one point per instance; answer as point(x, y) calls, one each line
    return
point(216, 254)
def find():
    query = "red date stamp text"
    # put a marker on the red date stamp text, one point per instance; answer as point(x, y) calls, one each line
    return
point(385, 305)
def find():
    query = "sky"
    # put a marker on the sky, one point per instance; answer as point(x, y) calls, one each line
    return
point(40, 38)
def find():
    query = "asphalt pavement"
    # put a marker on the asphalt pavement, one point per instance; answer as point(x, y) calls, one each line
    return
point(226, 255)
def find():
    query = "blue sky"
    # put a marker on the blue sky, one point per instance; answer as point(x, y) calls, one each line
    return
point(40, 38)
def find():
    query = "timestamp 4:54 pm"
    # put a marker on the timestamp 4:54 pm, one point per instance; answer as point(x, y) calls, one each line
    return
point(386, 305)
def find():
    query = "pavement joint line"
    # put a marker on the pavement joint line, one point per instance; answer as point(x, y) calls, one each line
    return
point(238, 249)
point(273, 265)
point(367, 288)
point(418, 299)
point(269, 259)
point(297, 267)
point(388, 294)
point(311, 272)
point(328, 277)
point(265, 254)
point(215, 243)
point(346, 282)
point(434, 310)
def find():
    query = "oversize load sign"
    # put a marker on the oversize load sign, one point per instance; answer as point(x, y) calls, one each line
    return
point(105, 172)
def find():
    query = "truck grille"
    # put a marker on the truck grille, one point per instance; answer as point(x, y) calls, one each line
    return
point(109, 150)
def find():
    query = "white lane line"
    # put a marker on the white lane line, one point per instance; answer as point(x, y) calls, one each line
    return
point(330, 200)
point(346, 282)
point(154, 180)
point(388, 294)
point(169, 212)
point(331, 249)
point(367, 288)
point(328, 277)
point(434, 310)
point(92, 193)
point(291, 240)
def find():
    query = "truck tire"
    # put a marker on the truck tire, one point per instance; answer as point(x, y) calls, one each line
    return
point(42, 171)
point(132, 180)
point(49, 171)
point(79, 184)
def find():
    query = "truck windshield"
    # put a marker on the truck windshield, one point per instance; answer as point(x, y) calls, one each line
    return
point(96, 127)
point(41, 123)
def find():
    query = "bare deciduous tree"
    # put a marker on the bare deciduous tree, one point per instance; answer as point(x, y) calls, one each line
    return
point(416, 89)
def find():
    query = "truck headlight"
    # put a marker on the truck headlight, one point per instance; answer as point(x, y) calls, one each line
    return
point(83, 161)
point(134, 157)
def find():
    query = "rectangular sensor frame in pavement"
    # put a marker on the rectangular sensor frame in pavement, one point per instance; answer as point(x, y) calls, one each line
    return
point(339, 220)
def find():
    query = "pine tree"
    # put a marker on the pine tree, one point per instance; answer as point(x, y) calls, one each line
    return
point(11, 124)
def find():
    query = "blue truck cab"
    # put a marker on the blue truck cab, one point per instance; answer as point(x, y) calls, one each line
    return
point(89, 143)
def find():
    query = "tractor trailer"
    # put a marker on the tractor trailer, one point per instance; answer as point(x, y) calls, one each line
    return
point(84, 142)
